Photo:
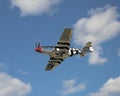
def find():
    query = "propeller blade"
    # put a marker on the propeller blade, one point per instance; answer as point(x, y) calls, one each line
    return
point(37, 44)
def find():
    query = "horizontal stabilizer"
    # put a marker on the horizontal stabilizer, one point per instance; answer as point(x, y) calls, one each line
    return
point(88, 48)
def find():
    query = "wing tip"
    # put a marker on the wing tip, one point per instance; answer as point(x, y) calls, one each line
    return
point(69, 29)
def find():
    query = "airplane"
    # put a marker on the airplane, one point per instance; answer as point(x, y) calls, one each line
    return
point(62, 50)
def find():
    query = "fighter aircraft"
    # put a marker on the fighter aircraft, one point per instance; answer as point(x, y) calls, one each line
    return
point(62, 50)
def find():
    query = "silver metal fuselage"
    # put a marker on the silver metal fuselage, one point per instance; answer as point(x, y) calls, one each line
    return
point(56, 52)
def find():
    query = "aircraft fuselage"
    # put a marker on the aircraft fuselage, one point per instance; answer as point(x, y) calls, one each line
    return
point(56, 52)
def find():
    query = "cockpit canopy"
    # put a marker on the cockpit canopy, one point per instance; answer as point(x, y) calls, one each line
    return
point(48, 48)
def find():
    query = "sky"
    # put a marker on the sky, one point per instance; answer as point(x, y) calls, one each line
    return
point(24, 22)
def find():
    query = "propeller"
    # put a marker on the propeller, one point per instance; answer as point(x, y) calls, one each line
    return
point(37, 44)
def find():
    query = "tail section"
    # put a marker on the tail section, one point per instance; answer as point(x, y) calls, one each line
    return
point(87, 49)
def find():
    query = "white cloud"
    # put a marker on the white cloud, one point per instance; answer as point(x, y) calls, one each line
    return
point(70, 87)
point(34, 7)
point(10, 86)
point(95, 56)
point(100, 26)
point(110, 88)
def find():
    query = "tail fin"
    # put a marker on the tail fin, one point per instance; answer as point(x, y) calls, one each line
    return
point(88, 48)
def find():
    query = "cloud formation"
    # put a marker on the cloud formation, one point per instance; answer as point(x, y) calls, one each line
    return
point(34, 7)
point(70, 87)
point(10, 86)
point(101, 25)
point(110, 88)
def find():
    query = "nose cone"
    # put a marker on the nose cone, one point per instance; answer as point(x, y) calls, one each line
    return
point(38, 49)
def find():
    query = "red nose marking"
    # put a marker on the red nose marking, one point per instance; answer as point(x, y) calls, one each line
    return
point(38, 49)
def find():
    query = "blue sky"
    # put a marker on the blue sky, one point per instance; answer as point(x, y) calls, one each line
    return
point(23, 22)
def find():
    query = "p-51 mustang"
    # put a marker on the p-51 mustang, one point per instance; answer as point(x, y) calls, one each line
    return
point(62, 50)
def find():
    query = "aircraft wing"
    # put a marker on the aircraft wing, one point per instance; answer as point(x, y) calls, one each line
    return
point(53, 62)
point(64, 42)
